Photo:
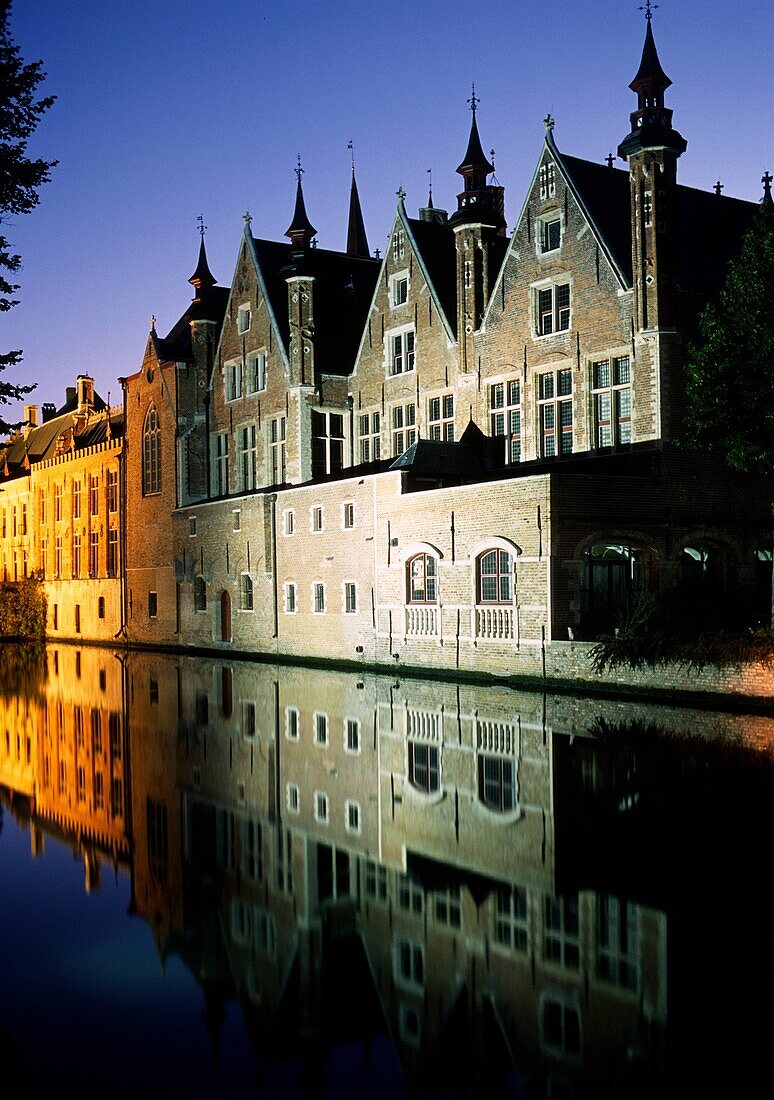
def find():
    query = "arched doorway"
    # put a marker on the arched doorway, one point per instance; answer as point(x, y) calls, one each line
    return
point(225, 616)
point(614, 572)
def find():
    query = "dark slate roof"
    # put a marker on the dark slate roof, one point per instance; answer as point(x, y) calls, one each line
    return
point(344, 287)
point(436, 247)
point(650, 72)
point(41, 442)
point(433, 458)
point(357, 241)
point(175, 347)
point(710, 227)
point(71, 402)
point(474, 155)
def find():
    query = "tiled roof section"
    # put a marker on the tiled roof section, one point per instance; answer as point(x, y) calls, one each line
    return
point(436, 246)
point(710, 227)
point(175, 347)
point(96, 430)
point(343, 290)
point(71, 402)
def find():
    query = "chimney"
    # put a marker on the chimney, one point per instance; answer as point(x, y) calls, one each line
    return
point(49, 411)
point(32, 416)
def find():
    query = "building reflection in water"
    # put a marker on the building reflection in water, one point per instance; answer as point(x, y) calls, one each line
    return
point(518, 890)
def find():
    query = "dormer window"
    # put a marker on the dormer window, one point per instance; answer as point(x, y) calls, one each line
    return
point(399, 289)
point(244, 315)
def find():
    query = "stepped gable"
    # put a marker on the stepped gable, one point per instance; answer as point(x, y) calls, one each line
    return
point(710, 226)
point(436, 247)
point(344, 287)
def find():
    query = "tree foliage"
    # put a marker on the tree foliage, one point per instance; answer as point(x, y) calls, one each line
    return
point(730, 370)
point(20, 176)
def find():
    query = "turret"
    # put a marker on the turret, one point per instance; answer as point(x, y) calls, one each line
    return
point(357, 242)
point(652, 148)
point(300, 279)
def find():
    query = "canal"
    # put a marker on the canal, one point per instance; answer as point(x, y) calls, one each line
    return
point(223, 875)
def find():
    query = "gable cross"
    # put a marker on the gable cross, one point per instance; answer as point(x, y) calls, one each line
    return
point(549, 122)
point(718, 187)
point(766, 180)
point(609, 160)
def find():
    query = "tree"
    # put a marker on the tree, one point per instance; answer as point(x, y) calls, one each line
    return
point(20, 177)
point(730, 370)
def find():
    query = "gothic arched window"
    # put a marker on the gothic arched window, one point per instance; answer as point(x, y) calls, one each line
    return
point(151, 454)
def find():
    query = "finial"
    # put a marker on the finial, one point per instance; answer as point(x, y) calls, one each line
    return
point(400, 193)
point(298, 169)
point(202, 226)
point(718, 187)
point(377, 253)
point(648, 8)
point(351, 148)
point(474, 100)
point(492, 157)
point(247, 217)
point(153, 322)
point(549, 122)
point(609, 160)
point(766, 180)
point(430, 192)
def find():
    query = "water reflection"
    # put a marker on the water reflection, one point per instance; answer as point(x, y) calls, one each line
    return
point(507, 893)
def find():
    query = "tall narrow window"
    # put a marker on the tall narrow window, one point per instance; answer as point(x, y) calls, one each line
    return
point(151, 454)
point(441, 417)
point(94, 494)
point(77, 487)
point(112, 552)
point(112, 491)
point(370, 445)
point(221, 464)
point(327, 442)
point(77, 564)
point(246, 592)
point(401, 352)
point(277, 447)
point(505, 418)
point(612, 395)
point(422, 579)
point(200, 594)
point(404, 431)
point(256, 372)
point(94, 554)
point(555, 401)
point(248, 451)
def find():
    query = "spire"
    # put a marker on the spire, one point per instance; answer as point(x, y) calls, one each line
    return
point(357, 242)
point(474, 162)
point(202, 279)
point(301, 231)
point(651, 78)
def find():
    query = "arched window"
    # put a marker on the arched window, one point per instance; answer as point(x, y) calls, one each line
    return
point(200, 594)
point(151, 454)
point(246, 592)
point(422, 579)
point(494, 577)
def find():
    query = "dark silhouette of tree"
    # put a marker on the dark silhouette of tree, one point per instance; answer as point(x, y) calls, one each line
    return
point(730, 370)
point(20, 177)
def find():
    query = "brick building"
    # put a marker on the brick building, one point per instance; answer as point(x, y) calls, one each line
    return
point(460, 454)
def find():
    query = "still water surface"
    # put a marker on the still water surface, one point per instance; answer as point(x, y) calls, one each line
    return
point(228, 878)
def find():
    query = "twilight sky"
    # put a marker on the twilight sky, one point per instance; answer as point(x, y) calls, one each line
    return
point(170, 109)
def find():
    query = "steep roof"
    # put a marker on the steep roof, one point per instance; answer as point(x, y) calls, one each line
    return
point(344, 286)
point(175, 347)
point(435, 243)
point(41, 442)
point(357, 241)
point(710, 227)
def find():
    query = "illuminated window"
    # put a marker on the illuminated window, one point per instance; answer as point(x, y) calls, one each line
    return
point(151, 454)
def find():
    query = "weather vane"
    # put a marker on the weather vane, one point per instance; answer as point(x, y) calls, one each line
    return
point(430, 180)
point(401, 193)
point(202, 226)
point(474, 100)
point(351, 147)
point(298, 169)
point(549, 121)
point(648, 7)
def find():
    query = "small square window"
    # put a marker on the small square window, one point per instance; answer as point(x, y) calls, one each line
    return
point(399, 289)
point(237, 519)
point(192, 526)
point(317, 518)
point(348, 514)
point(550, 236)
point(292, 797)
point(288, 521)
point(291, 723)
point(153, 605)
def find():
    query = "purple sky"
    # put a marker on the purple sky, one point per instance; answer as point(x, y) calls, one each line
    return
point(170, 109)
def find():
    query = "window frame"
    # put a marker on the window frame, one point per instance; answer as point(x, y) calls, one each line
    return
point(613, 391)
point(555, 403)
point(244, 310)
point(433, 575)
point(400, 351)
point(151, 454)
point(257, 380)
point(539, 313)
point(233, 381)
